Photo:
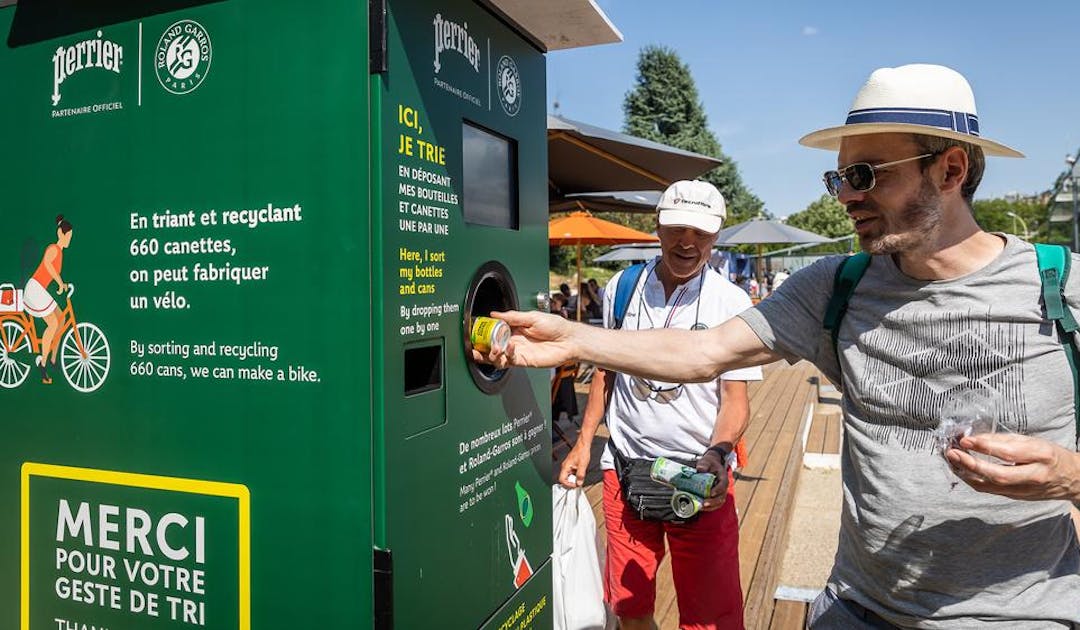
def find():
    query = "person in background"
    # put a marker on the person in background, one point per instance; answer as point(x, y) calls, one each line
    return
point(597, 290)
point(572, 302)
point(558, 305)
point(743, 283)
point(695, 423)
point(779, 279)
point(719, 262)
point(591, 308)
point(564, 290)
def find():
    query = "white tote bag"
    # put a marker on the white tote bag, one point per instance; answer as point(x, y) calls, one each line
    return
point(578, 600)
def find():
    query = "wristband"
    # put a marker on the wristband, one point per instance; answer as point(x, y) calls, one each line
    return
point(726, 455)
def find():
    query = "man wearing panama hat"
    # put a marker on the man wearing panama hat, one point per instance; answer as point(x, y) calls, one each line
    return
point(944, 312)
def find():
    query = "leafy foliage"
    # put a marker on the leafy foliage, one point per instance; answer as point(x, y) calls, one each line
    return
point(993, 215)
point(664, 107)
point(826, 216)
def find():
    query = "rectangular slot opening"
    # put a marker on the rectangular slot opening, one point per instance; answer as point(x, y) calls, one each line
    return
point(423, 369)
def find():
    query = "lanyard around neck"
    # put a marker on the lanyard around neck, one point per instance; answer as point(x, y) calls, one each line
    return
point(642, 307)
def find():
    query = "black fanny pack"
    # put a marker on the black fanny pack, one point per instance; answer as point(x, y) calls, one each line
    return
point(650, 500)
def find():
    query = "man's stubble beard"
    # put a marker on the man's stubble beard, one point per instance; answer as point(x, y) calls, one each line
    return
point(917, 225)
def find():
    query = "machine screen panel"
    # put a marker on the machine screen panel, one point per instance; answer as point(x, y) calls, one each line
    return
point(490, 175)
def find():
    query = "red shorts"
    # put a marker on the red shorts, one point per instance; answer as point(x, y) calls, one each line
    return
point(704, 563)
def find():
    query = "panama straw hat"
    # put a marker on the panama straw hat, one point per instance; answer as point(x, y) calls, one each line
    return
point(917, 98)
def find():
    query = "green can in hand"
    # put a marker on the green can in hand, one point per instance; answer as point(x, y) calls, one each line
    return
point(682, 477)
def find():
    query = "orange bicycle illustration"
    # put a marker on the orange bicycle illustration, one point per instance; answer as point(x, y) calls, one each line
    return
point(84, 350)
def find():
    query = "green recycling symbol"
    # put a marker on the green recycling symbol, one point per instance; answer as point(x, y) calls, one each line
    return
point(525, 507)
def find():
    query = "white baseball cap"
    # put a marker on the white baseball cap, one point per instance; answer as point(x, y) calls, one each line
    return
point(695, 204)
point(917, 98)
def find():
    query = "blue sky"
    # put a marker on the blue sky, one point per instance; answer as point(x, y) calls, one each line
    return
point(769, 72)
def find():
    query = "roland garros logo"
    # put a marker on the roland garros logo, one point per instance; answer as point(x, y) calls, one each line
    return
point(183, 57)
point(508, 81)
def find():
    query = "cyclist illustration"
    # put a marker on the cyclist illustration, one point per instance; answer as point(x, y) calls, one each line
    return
point(36, 298)
point(83, 350)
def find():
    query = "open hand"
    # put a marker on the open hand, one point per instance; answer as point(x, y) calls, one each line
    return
point(712, 462)
point(537, 340)
point(1042, 470)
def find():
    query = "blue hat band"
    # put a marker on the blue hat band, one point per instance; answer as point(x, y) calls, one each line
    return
point(960, 122)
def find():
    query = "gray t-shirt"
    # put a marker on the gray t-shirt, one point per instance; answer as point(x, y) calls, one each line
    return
point(917, 546)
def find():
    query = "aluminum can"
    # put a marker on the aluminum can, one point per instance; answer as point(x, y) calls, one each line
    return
point(682, 477)
point(488, 333)
point(685, 504)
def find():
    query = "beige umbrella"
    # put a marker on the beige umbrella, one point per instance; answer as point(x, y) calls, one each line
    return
point(764, 231)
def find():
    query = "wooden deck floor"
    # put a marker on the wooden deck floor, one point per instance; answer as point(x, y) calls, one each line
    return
point(782, 408)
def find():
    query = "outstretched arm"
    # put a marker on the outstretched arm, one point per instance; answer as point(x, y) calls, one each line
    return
point(683, 356)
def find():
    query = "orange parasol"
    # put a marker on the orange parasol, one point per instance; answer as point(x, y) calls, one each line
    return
point(582, 228)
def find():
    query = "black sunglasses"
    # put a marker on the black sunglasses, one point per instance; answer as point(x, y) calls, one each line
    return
point(860, 176)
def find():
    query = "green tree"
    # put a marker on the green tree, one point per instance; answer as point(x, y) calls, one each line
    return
point(640, 221)
point(561, 259)
point(664, 107)
point(826, 217)
point(994, 215)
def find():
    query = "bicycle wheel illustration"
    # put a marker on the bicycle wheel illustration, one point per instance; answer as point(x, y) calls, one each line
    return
point(85, 372)
point(13, 340)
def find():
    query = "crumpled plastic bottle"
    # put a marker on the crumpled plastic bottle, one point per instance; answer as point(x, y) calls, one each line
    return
point(972, 413)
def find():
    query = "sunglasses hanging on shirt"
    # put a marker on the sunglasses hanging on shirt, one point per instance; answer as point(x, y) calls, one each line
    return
point(643, 389)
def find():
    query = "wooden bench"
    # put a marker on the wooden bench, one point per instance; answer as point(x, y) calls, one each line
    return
point(780, 412)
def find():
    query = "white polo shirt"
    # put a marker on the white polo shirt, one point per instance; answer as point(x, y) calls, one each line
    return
point(683, 427)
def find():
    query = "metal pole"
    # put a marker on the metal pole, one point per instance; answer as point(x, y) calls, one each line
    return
point(578, 280)
point(1023, 224)
point(760, 251)
point(1076, 213)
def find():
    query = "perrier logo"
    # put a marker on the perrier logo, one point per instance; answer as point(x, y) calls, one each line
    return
point(183, 57)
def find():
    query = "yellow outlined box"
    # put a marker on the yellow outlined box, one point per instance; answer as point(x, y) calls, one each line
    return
point(150, 482)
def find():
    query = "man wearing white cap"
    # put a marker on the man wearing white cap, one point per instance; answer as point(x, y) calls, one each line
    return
point(944, 311)
point(695, 423)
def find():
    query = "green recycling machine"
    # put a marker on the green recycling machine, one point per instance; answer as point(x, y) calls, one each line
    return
point(241, 245)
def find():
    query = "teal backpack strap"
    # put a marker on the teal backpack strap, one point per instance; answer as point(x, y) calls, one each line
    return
point(1054, 263)
point(847, 277)
point(624, 290)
